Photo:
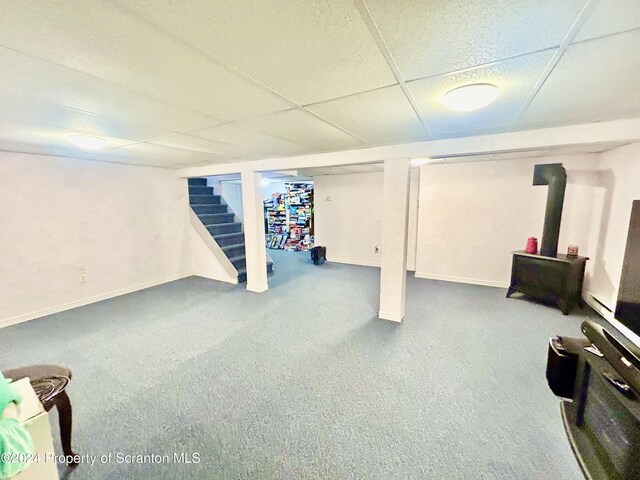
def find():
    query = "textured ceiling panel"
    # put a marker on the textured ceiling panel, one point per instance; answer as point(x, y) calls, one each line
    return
point(74, 121)
point(94, 37)
point(50, 83)
point(249, 141)
point(593, 81)
point(300, 127)
point(26, 133)
point(167, 156)
point(197, 144)
point(610, 16)
point(198, 80)
point(376, 117)
point(515, 78)
point(434, 37)
point(307, 50)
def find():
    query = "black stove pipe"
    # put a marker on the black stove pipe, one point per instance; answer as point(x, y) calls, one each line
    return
point(554, 175)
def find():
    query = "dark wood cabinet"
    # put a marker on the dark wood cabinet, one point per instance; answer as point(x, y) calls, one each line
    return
point(556, 280)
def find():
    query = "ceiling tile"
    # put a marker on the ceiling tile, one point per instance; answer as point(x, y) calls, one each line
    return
point(302, 128)
point(94, 37)
point(515, 78)
point(612, 16)
point(144, 71)
point(29, 138)
point(73, 121)
point(52, 84)
point(376, 117)
point(167, 156)
point(593, 81)
point(30, 134)
point(429, 38)
point(189, 142)
point(250, 142)
point(308, 51)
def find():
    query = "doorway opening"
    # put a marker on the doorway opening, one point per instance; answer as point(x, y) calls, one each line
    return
point(288, 215)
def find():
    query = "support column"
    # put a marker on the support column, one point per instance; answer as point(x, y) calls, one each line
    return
point(253, 213)
point(395, 221)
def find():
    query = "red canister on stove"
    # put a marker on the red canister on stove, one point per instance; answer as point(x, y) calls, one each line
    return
point(532, 245)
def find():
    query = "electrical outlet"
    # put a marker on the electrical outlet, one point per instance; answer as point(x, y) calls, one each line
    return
point(82, 273)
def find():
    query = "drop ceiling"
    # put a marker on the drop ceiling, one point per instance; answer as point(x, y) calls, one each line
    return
point(194, 82)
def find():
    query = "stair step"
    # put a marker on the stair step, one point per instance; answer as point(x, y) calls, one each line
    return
point(216, 218)
point(242, 272)
point(209, 209)
point(200, 190)
point(222, 228)
point(229, 239)
point(239, 261)
point(204, 199)
point(233, 250)
point(197, 181)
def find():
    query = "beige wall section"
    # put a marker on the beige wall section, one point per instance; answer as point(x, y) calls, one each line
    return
point(618, 186)
point(127, 225)
point(472, 215)
point(350, 223)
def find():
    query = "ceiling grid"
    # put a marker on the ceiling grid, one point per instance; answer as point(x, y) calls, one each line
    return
point(198, 82)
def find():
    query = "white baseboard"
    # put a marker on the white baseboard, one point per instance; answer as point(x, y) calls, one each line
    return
point(86, 301)
point(233, 281)
point(353, 262)
point(471, 281)
point(410, 268)
point(600, 309)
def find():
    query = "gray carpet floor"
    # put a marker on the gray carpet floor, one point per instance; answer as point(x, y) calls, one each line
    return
point(304, 382)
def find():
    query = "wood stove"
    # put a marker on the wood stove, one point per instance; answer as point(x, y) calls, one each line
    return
point(548, 276)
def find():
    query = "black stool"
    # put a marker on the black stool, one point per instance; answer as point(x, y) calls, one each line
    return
point(49, 383)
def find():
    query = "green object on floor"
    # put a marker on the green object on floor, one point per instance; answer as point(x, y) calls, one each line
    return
point(15, 441)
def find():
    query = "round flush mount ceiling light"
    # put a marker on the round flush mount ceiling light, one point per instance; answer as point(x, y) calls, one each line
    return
point(470, 97)
point(87, 142)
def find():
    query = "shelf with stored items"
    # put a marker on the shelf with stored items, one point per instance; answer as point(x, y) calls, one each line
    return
point(289, 217)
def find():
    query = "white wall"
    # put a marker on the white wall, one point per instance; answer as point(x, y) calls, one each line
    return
point(273, 187)
point(618, 186)
point(204, 263)
point(350, 223)
point(127, 225)
point(472, 215)
point(231, 191)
